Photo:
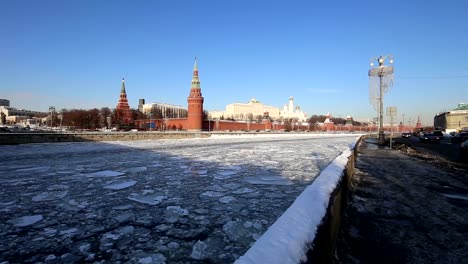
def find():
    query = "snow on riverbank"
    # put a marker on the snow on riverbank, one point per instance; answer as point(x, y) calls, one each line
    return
point(287, 240)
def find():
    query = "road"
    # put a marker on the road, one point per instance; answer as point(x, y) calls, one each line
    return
point(445, 149)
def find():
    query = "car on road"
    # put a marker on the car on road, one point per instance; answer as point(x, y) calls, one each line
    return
point(460, 137)
point(464, 150)
point(438, 133)
point(4, 130)
point(429, 137)
point(406, 135)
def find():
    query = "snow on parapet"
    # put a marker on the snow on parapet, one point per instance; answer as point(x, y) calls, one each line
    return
point(280, 135)
point(289, 239)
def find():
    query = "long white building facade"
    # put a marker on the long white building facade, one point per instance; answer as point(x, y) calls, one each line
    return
point(254, 108)
point(163, 110)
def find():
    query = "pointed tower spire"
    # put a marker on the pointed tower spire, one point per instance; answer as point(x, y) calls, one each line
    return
point(123, 87)
point(124, 114)
point(418, 124)
point(123, 102)
point(195, 80)
point(195, 67)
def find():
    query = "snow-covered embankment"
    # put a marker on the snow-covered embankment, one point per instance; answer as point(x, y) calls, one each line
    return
point(311, 223)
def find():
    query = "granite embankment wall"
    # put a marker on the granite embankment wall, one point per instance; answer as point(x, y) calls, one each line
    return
point(25, 138)
point(324, 244)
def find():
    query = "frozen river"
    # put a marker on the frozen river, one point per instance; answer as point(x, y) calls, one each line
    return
point(164, 201)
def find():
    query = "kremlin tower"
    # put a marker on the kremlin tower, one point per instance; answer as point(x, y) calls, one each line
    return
point(418, 123)
point(195, 103)
point(124, 115)
point(328, 123)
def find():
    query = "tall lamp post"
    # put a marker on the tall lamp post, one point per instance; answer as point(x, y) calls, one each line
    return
point(385, 74)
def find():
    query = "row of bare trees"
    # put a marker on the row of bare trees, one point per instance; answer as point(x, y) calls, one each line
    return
point(91, 118)
point(105, 117)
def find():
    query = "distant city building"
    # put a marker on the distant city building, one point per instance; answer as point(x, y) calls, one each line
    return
point(254, 109)
point(141, 102)
point(14, 115)
point(451, 121)
point(462, 106)
point(4, 102)
point(124, 114)
point(163, 110)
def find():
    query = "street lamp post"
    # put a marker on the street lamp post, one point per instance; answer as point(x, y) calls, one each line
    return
point(385, 74)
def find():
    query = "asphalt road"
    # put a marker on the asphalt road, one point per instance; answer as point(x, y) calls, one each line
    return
point(445, 149)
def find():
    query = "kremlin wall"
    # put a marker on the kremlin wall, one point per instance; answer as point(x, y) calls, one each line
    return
point(195, 120)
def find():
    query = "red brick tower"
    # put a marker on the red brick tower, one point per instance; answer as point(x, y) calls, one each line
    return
point(418, 123)
point(195, 103)
point(124, 114)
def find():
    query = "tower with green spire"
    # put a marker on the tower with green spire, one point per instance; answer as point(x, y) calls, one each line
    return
point(124, 114)
point(195, 103)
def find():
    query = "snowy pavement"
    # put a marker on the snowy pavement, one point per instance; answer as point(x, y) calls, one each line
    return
point(405, 209)
point(163, 201)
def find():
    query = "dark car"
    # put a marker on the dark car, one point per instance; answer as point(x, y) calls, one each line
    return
point(429, 138)
point(460, 137)
point(464, 151)
point(406, 135)
point(4, 130)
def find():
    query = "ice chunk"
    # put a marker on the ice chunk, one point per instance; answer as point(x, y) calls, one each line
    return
point(106, 173)
point(48, 196)
point(198, 251)
point(120, 185)
point(272, 180)
point(231, 186)
point(42, 168)
point(152, 199)
point(26, 220)
point(173, 245)
point(174, 213)
point(237, 232)
point(122, 207)
point(221, 175)
point(69, 232)
point(153, 259)
point(136, 169)
point(200, 172)
point(243, 190)
point(211, 194)
point(226, 199)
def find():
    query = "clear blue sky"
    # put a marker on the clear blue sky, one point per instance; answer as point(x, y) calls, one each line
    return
point(73, 54)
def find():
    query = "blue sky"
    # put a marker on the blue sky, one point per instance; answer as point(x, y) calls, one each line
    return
point(73, 54)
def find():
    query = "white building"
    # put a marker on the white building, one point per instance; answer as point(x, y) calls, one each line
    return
point(15, 115)
point(291, 112)
point(165, 110)
point(254, 108)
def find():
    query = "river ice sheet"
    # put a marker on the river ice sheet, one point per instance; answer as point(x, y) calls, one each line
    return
point(179, 201)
